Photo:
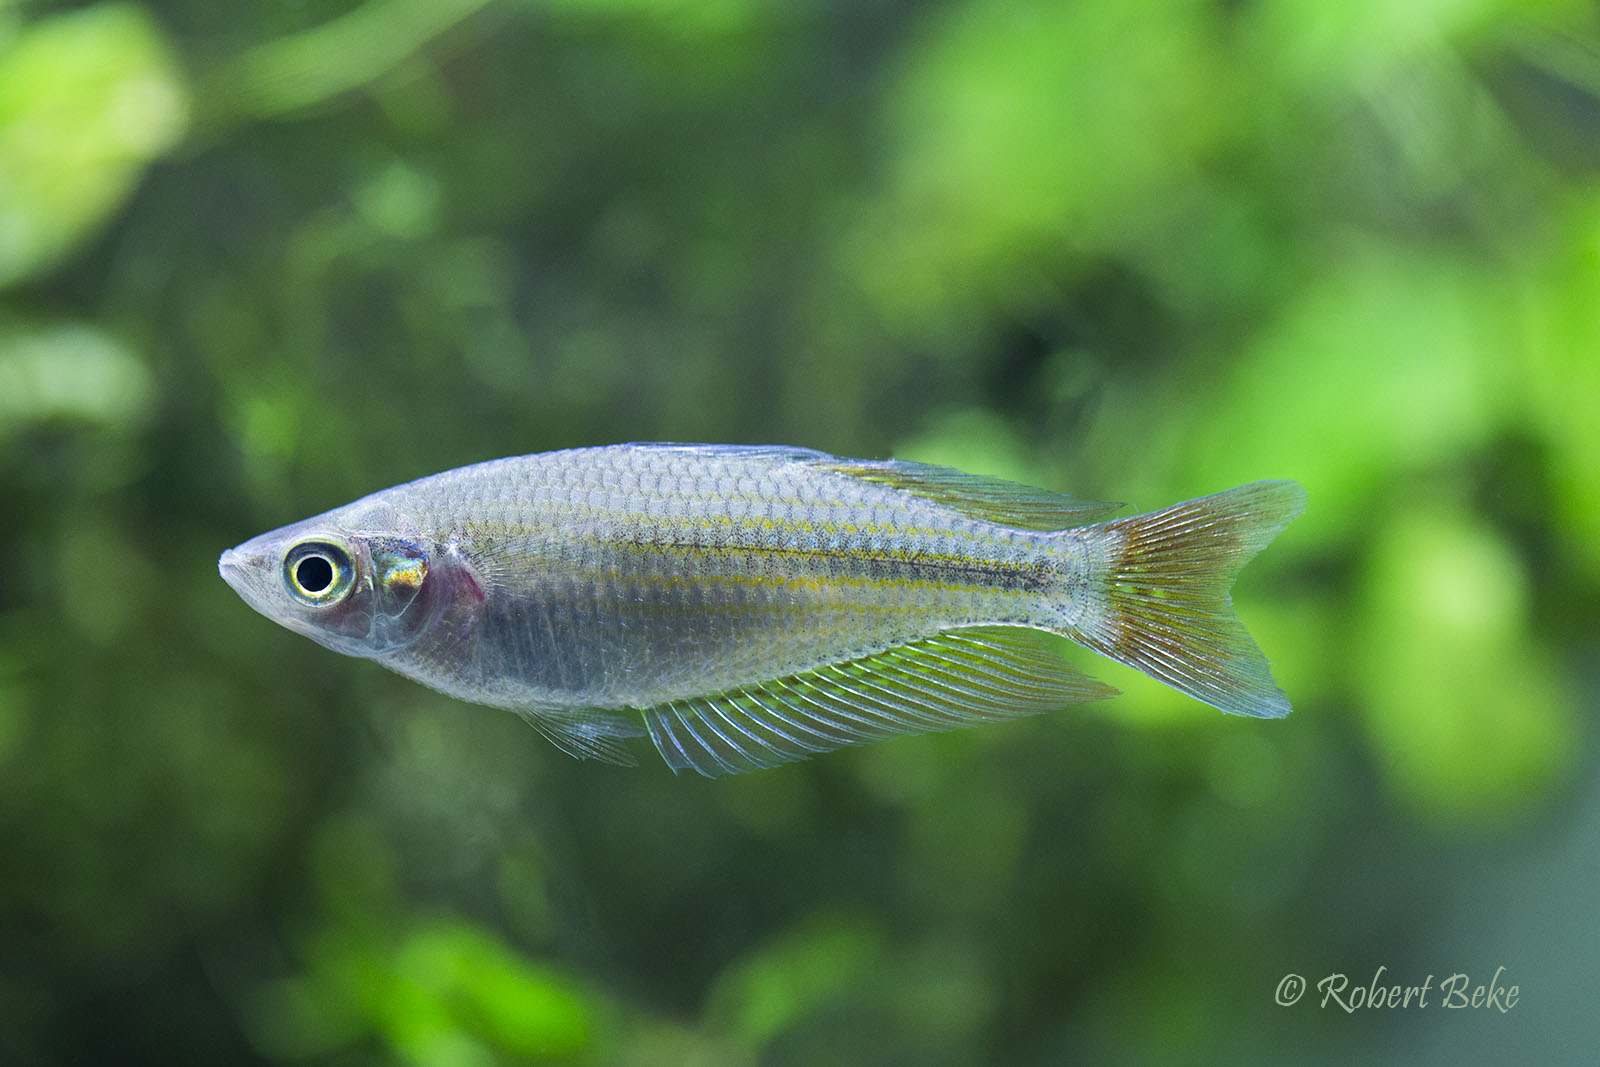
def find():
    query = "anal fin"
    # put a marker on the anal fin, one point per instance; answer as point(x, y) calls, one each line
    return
point(959, 677)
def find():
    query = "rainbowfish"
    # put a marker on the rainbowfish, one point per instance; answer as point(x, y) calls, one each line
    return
point(749, 606)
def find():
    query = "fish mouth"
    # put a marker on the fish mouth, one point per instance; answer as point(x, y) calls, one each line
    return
point(242, 567)
point(231, 565)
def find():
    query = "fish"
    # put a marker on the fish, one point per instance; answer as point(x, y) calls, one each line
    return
point(748, 606)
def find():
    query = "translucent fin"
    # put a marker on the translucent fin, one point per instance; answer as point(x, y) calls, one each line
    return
point(1161, 604)
point(977, 495)
point(772, 452)
point(982, 497)
point(956, 678)
point(595, 735)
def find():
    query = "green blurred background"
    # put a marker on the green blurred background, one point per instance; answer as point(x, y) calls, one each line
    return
point(258, 259)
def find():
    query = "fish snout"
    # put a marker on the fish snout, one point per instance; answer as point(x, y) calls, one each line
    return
point(229, 565)
point(243, 567)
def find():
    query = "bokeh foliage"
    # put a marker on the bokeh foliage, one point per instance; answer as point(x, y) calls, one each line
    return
point(258, 259)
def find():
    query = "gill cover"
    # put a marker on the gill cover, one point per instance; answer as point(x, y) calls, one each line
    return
point(399, 575)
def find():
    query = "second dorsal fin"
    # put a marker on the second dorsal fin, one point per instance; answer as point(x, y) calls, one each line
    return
point(980, 496)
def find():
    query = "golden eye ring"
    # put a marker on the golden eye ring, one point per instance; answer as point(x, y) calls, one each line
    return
point(318, 573)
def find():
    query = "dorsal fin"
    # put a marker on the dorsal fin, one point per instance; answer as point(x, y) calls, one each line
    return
point(775, 452)
point(978, 495)
point(960, 677)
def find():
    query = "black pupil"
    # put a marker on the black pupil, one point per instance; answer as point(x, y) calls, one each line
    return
point(314, 573)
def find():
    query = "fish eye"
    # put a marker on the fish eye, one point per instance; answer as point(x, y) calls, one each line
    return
point(318, 573)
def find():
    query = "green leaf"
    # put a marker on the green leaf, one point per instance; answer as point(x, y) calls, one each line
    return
point(87, 101)
point(1024, 132)
point(69, 371)
point(1467, 714)
point(315, 65)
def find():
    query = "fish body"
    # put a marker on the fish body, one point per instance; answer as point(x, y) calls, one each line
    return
point(746, 606)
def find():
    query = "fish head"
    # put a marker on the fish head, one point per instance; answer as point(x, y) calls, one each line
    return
point(356, 587)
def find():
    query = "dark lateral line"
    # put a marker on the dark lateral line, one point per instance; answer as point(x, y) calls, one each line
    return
point(856, 565)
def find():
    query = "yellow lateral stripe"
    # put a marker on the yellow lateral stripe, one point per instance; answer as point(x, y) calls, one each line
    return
point(634, 518)
point(895, 555)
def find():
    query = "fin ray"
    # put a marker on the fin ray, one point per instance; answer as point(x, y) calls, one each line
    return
point(823, 743)
point(1160, 595)
point(950, 679)
point(978, 495)
point(586, 734)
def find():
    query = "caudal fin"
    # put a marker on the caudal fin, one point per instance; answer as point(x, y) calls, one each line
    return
point(1157, 594)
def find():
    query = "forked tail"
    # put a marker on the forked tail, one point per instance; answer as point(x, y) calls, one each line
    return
point(1156, 595)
